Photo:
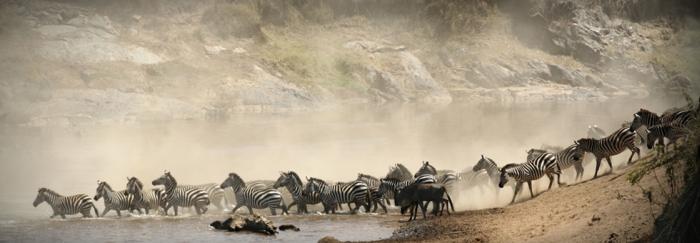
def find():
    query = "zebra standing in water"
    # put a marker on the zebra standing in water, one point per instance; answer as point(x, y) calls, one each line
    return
point(148, 200)
point(492, 170)
point(254, 196)
point(334, 195)
point(373, 184)
point(116, 201)
point(180, 197)
point(545, 164)
point(65, 205)
point(613, 144)
point(215, 193)
point(295, 186)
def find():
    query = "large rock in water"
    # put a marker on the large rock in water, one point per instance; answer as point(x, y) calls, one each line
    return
point(254, 223)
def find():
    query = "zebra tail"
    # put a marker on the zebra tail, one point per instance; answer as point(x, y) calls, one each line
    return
point(452, 205)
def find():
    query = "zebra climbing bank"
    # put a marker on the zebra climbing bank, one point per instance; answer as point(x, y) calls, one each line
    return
point(114, 200)
point(611, 145)
point(65, 205)
point(254, 196)
point(566, 158)
point(180, 197)
point(334, 195)
point(295, 186)
point(545, 164)
point(670, 131)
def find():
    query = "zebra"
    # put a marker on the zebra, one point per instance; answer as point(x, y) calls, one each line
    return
point(295, 186)
point(254, 196)
point(114, 200)
point(567, 157)
point(545, 164)
point(65, 205)
point(175, 196)
point(447, 178)
point(394, 185)
point(649, 119)
point(334, 195)
point(426, 168)
point(488, 164)
point(148, 200)
point(215, 193)
point(377, 197)
point(399, 172)
point(670, 131)
point(611, 145)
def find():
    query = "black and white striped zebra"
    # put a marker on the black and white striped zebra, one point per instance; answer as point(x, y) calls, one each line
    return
point(378, 197)
point(545, 164)
point(145, 199)
point(447, 177)
point(426, 168)
point(295, 186)
point(215, 193)
point(65, 205)
point(613, 144)
point(670, 131)
point(567, 157)
point(176, 196)
point(394, 185)
point(490, 166)
point(114, 200)
point(398, 172)
point(254, 196)
point(649, 119)
point(333, 195)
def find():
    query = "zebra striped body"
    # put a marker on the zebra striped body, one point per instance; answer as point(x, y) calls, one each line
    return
point(378, 197)
point(254, 196)
point(65, 205)
point(215, 193)
point(571, 156)
point(334, 195)
point(394, 185)
point(669, 131)
point(145, 199)
point(447, 178)
point(175, 196)
point(613, 144)
point(295, 186)
point(545, 164)
point(116, 201)
point(649, 119)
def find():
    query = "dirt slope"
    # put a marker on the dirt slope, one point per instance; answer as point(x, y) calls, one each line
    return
point(605, 209)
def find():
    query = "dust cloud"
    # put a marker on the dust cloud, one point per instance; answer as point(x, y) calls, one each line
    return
point(334, 145)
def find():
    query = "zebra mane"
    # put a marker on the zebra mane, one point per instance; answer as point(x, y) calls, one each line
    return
point(508, 166)
point(170, 177)
point(106, 186)
point(45, 190)
point(360, 175)
point(295, 177)
point(236, 179)
point(319, 181)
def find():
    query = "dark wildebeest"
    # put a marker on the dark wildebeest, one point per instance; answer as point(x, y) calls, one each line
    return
point(414, 195)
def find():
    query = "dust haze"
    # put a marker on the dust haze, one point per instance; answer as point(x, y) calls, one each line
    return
point(334, 145)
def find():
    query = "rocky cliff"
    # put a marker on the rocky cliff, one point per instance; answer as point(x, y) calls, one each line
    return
point(75, 62)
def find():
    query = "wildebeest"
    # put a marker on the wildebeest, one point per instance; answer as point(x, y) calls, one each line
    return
point(414, 195)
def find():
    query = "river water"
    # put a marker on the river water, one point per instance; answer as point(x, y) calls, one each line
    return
point(333, 145)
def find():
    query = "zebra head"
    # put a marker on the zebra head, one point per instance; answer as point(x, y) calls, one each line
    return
point(234, 181)
point(426, 169)
point(281, 181)
point(166, 180)
point(314, 185)
point(102, 188)
point(504, 175)
point(40, 197)
point(133, 185)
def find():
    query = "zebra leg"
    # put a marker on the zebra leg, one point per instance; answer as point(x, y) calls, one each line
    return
point(63, 216)
point(250, 210)
point(119, 213)
point(104, 212)
point(610, 163)
point(578, 166)
point(529, 185)
point(272, 211)
point(515, 192)
point(381, 203)
point(551, 180)
point(597, 166)
point(424, 208)
point(238, 205)
point(175, 209)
